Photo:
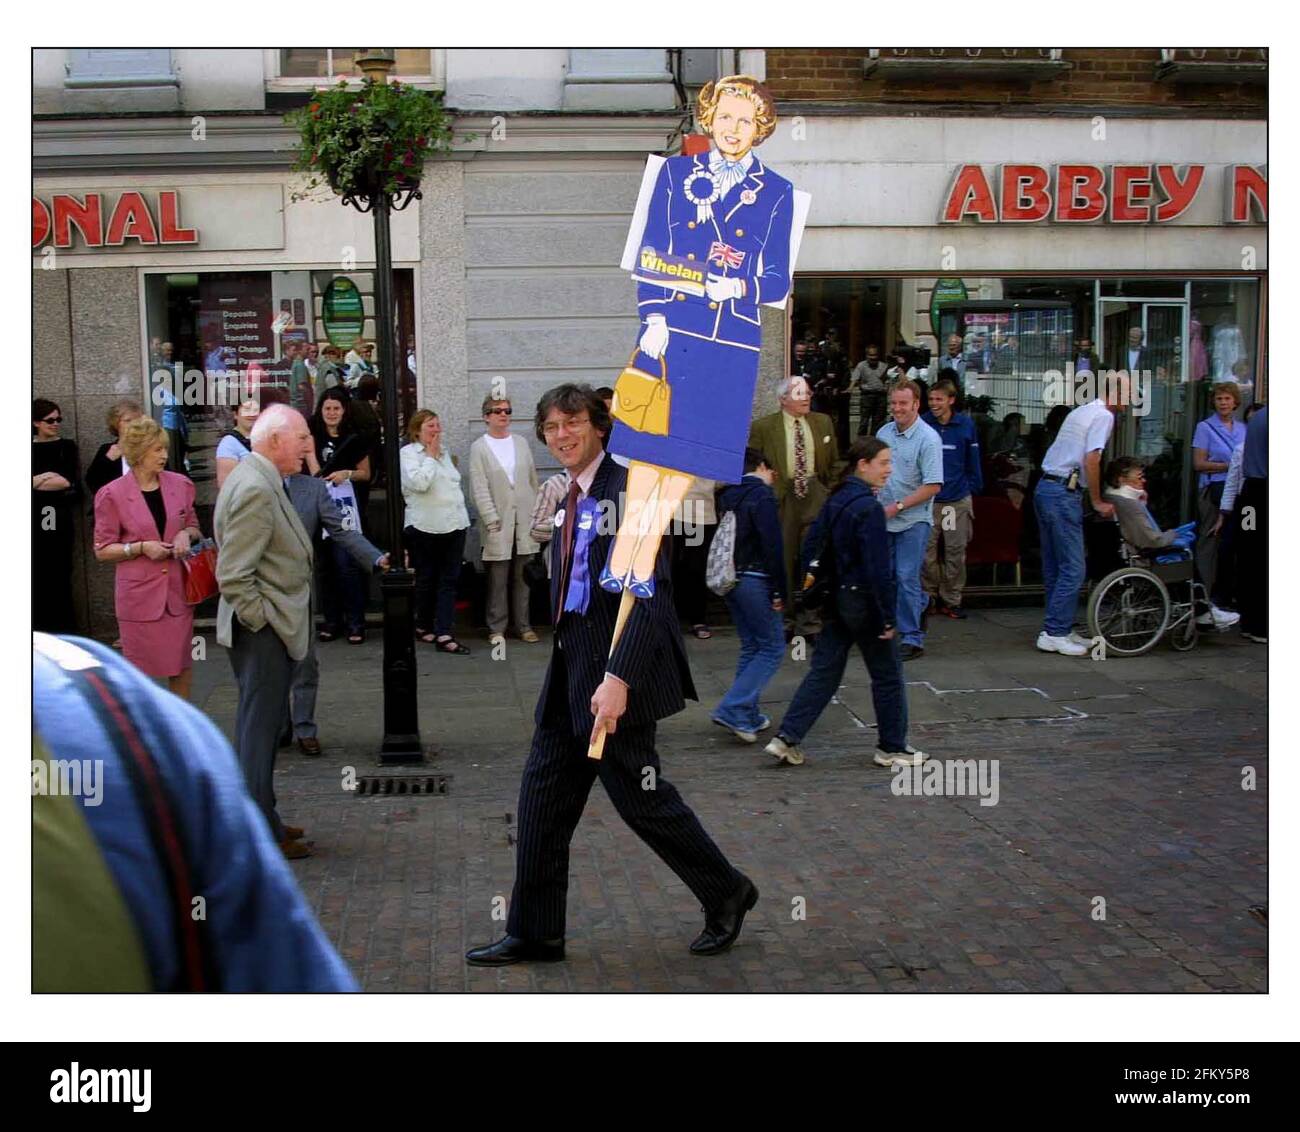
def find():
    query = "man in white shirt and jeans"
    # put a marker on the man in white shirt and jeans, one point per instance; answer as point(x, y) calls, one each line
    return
point(1072, 466)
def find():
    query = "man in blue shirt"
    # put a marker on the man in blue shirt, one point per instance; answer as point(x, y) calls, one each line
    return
point(908, 500)
point(204, 899)
point(954, 525)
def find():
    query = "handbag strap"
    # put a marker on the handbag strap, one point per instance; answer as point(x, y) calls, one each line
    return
point(663, 362)
point(158, 808)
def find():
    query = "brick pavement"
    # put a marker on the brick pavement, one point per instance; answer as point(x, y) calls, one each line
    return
point(1119, 779)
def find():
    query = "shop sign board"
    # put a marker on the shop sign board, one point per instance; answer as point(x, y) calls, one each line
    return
point(342, 312)
point(1147, 193)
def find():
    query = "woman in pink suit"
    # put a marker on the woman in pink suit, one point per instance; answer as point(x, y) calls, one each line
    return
point(145, 522)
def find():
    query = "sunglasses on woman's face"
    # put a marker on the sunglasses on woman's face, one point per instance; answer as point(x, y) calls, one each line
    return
point(51, 420)
point(508, 412)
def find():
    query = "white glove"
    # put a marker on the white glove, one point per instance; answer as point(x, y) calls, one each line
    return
point(654, 341)
point(719, 289)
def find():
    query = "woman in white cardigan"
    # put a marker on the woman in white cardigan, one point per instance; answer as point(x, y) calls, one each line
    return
point(503, 480)
point(435, 526)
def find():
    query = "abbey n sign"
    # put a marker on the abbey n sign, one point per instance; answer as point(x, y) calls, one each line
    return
point(1148, 193)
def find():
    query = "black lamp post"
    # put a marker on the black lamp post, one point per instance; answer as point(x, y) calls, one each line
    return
point(401, 742)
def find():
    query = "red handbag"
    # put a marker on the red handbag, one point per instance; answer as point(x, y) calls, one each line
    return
point(200, 572)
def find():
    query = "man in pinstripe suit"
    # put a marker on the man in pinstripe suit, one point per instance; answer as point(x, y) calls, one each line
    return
point(645, 680)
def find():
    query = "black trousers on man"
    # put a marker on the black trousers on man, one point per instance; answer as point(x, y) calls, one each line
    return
point(557, 779)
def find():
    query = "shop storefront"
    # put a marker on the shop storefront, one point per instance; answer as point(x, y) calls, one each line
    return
point(229, 284)
point(188, 293)
point(1032, 275)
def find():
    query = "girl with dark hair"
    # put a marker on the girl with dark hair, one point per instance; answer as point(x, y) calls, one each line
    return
point(850, 531)
point(340, 458)
point(56, 488)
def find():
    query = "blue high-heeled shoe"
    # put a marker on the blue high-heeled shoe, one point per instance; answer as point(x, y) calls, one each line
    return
point(643, 588)
point(608, 582)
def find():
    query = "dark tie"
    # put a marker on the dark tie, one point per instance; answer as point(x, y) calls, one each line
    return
point(566, 545)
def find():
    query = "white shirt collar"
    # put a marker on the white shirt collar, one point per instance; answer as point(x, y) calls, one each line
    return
point(587, 475)
point(716, 160)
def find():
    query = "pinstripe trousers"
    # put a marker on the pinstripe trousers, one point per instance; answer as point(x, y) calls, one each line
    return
point(552, 795)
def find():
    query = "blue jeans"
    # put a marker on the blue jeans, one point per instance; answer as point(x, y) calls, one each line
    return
point(907, 558)
point(762, 647)
point(1060, 531)
point(851, 624)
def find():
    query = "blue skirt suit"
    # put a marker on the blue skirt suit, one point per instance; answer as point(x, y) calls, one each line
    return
point(713, 347)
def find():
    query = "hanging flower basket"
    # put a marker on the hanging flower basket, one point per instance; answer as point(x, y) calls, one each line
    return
point(369, 140)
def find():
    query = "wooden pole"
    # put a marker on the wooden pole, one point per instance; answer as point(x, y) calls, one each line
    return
point(596, 748)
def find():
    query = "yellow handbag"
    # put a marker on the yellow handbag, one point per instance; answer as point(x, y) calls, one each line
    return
point(641, 400)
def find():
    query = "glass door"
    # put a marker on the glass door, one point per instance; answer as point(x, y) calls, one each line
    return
point(1147, 338)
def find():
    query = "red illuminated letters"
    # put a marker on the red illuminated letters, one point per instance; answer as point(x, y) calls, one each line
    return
point(1025, 199)
point(970, 195)
point(131, 219)
point(1080, 194)
point(1247, 195)
point(1084, 193)
point(86, 216)
point(169, 220)
point(40, 222)
point(1179, 194)
point(1130, 194)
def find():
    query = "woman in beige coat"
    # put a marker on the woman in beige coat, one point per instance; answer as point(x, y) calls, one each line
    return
point(503, 483)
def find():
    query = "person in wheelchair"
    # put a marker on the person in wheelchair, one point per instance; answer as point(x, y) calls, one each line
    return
point(1125, 487)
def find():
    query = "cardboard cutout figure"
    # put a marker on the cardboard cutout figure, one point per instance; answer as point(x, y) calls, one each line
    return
point(714, 236)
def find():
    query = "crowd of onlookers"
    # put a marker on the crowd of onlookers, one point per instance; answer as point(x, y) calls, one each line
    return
point(889, 519)
point(853, 546)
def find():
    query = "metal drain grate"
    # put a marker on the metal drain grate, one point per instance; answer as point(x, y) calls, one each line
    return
point(407, 785)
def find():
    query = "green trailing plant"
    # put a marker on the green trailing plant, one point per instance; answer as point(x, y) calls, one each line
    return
point(362, 140)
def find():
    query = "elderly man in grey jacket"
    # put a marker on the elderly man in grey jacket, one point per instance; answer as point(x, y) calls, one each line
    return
point(503, 481)
point(264, 617)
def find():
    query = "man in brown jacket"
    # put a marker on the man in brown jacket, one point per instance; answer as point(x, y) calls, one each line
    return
point(801, 446)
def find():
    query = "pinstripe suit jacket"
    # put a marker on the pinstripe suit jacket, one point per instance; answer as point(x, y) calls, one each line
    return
point(650, 658)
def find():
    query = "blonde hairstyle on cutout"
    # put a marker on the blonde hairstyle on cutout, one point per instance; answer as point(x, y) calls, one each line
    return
point(743, 86)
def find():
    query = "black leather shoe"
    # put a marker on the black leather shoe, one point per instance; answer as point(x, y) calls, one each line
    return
point(510, 949)
point(723, 926)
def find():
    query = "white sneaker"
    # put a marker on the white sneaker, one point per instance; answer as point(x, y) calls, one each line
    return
point(1216, 618)
point(785, 752)
point(1086, 642)
point(908, 756)
point(743, 736)
point(1064, 645)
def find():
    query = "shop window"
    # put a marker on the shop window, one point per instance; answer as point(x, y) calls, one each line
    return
point(217, 338)
point(116, 66)
point(1022, 347)
point(300, 67)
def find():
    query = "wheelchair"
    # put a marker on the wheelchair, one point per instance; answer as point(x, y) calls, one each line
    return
point(1141, 601)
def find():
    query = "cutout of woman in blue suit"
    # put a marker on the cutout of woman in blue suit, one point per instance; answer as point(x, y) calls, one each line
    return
point(727, 212)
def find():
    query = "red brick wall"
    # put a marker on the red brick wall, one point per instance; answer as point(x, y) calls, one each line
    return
point(1099, 76)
